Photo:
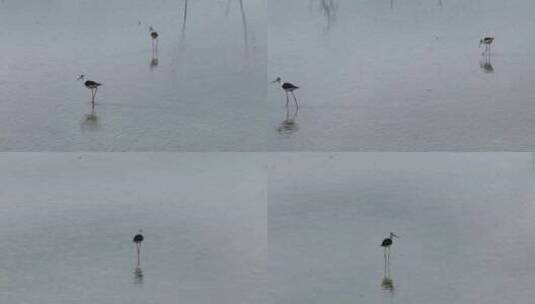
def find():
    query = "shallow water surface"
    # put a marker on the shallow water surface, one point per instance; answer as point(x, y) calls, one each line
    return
point(464, 221)
point(67, 222)
point(205, 92)
point(394, 75)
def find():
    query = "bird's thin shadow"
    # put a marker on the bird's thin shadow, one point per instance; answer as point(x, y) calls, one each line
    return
point(486, 65)
point(289, 124)
point(90, 121)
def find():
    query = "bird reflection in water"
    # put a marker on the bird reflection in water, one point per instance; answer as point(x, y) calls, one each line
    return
point(90, 121)
point(486, 66)
point(154, 61)
point(387, 284)
point(138, 275)
point(289, 124)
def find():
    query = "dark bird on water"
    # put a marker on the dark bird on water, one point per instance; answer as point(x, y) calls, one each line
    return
point(92, 85)
point(486, 41)
point(288, 88)
point(138, 238)
point(154, 35)
point(388, 241)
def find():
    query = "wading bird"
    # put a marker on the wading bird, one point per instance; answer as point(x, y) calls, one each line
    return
point(486, 41)
point(287, 88)
point(92, 85)
point(138, 238)
point(386, 244)
point(154, 35)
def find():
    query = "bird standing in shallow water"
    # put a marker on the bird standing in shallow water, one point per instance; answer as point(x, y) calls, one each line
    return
point(486, 41)
point(92, 85)
point(386, 244)
point(138, 238)
point(154, 35)
point(288, 88)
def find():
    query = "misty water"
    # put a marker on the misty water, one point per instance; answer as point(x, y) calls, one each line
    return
point(67, 222)
point(395, 75)
point(205, 92)
point(464, 221)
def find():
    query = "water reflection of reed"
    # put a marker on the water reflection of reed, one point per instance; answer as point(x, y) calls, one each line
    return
point(328, 9)
point(244, 23)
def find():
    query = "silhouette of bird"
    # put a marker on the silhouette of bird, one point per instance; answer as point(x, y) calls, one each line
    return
point(388, 241)
point(154, 35)
point(138, 238)
point(486, 41)
point(287, 88)
point(92, 85)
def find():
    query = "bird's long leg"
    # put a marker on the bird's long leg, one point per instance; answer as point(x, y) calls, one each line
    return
point(287, 99)
point(138, 254)
point(385, 261)
point(296, 104)
point(388, 263)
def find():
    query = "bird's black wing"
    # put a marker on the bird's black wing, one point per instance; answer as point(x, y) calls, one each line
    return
point(92, 83)
point(288, 85)
point(386, 242)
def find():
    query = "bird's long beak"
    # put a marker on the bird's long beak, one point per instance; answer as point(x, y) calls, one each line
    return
point(395, 236)
point(275, 81)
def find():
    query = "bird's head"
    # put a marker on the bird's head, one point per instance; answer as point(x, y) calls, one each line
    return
point(151, 29)
point(480, 42)
point(81, 77)
point(393, 235)
point(277, 80)
point(140, 230)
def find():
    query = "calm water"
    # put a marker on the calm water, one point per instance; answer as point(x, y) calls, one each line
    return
point(207, 92)
point(465, 223)
point(67, 222)
point(403, 75)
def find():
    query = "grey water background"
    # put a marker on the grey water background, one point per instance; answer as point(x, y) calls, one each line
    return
point(391, 75)
point(67, 222)
point(465, 222)
point(207, 92)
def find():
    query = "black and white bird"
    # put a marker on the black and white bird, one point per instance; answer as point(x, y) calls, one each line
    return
point(92, 85)
point(288, 88)
point(388, 241)
point(486, 42)
point(138, 238)
point(154, 35)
